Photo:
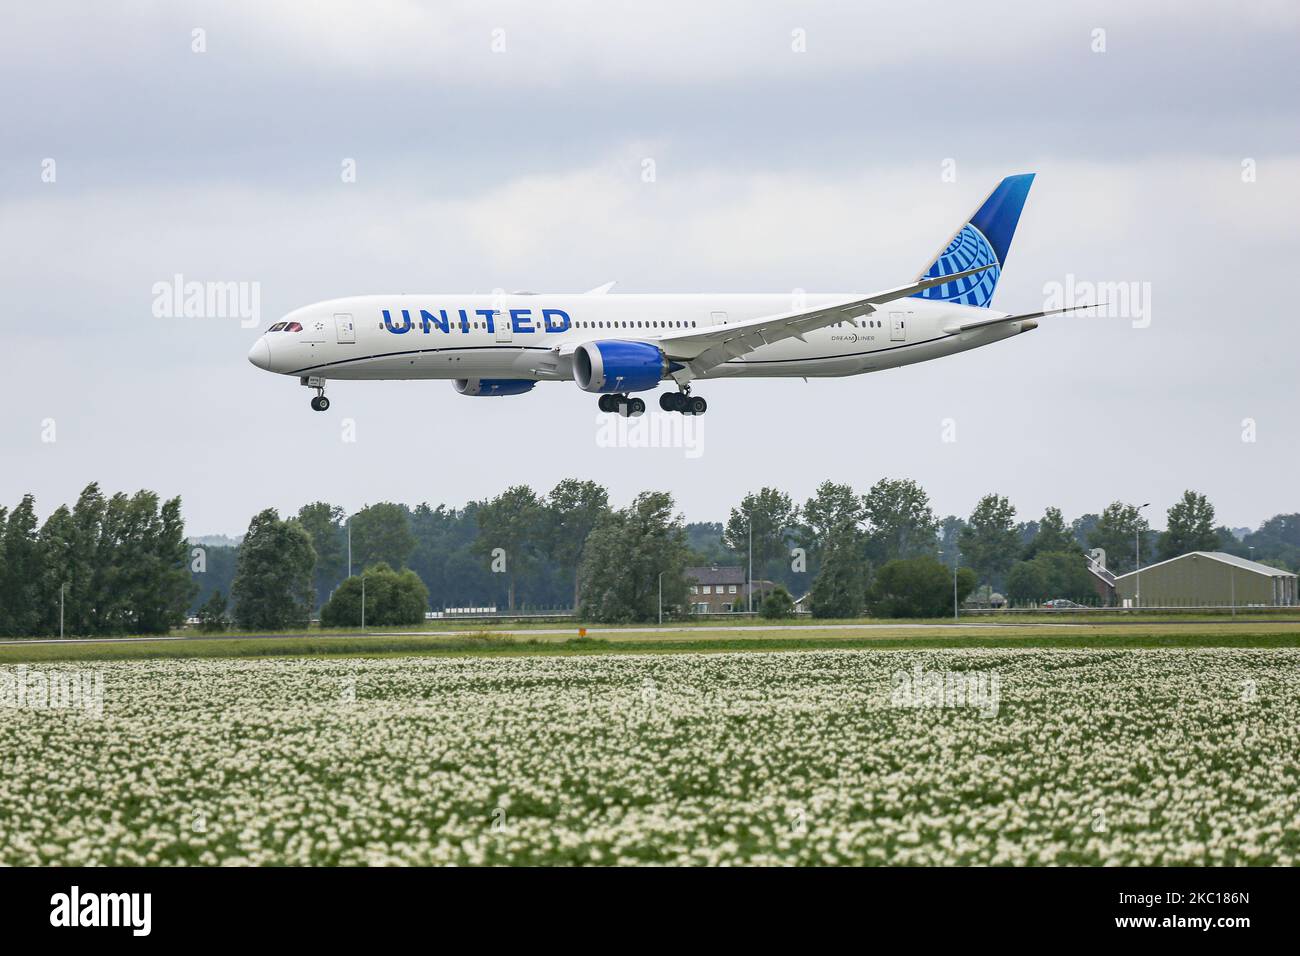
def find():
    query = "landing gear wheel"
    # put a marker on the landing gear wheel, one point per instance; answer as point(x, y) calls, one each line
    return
point(635, 407)
point(606, 403)
point(320, 403)
point(668, 401)
point(696, 405)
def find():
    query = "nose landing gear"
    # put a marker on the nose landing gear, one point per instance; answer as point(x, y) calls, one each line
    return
point(320, 403)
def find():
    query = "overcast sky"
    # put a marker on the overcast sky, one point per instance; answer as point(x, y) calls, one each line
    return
point(1170, 160)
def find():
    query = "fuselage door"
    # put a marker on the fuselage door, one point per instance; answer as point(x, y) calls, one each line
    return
point(344, 328)
point(501, 321)
point(718, 318)
point(898, 326)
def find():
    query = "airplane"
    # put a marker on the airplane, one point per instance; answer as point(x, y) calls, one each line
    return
point(614, 345)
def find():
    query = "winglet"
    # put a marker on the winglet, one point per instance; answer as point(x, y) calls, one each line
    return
point(601, 289)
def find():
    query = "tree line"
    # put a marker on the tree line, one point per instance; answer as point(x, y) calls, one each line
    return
point(109, 565)
point(883, 551)
point(125, 566)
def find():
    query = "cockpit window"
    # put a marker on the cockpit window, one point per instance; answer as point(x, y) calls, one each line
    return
point(277, 327)
point(293, 327)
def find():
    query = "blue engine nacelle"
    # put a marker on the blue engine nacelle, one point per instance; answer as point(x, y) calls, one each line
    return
point(614, 366)
point(494, 386)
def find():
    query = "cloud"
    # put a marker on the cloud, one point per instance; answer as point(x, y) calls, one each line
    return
point(772, 171)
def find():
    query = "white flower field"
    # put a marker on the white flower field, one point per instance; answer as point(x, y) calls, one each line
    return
point(1084, 757)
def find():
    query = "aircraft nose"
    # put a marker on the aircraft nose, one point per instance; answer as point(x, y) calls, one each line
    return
point(260, 354)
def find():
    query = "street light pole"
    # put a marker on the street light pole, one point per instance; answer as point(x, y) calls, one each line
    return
point(363, 602)
point(1137, 550)
point(661, 597)
point(750, 602)
point(956, 558)
point(349, 545)
point(61, 587)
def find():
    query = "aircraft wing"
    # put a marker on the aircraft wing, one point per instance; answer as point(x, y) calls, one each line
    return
point(700, 350)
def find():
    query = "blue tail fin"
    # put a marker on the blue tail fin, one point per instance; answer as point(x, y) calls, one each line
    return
point(984, 241)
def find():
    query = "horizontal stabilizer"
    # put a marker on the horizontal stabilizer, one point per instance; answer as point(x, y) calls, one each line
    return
point(1024, 317)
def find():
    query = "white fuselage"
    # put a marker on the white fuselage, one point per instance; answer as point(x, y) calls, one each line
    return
point(525, 336)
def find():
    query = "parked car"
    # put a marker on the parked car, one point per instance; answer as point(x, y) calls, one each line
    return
point(1060, 604)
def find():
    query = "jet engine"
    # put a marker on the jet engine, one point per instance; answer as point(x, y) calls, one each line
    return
point(615, 366)
point(493, 386)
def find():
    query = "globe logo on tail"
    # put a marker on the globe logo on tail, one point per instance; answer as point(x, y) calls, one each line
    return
point(968, 250)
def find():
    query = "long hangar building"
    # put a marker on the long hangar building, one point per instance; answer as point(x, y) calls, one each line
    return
point(1204, 578)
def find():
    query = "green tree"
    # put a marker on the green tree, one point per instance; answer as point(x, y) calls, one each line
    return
point(445, 559)
point(162, 585)
point(900, 522)
point(21, 572)
point(324, 524)
point(839, 590)
point(212, 615)
point(1277, 539)
point(121, 566)
point(831, 506)
point(625, 556)
point(1116, 533)
point(778, 604)
point(704, 538)
point(84, 557)
point(213, 570)
point(510, 532)
point(1052, 536)
point(773, 516)
point(917, 587)
point(571, 512)
point(381, 533)
point(949, 532)
point(1050, 575)
point(59, 554)
point(1027, 583)
point(4, 525)
point(1190, 527)
point(273, 581)
point(1083, 526)
point(989, 543)
point(392, 598)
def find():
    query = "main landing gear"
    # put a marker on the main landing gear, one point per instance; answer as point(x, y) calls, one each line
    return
point(622, 404)
point(320, 403)
point(683, 402)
